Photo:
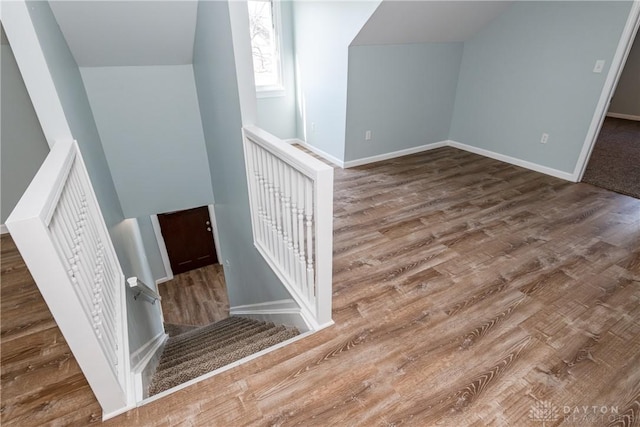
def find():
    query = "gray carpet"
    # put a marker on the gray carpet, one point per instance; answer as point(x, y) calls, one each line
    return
point(202, 350)
point(615, 161)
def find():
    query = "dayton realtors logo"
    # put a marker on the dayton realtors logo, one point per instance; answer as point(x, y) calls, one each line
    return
point(545, 411)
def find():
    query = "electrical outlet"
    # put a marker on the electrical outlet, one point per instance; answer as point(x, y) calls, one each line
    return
point(599, 66)
point(367, 135)
point(227, 263)
point(313, 126)
point(544, 139)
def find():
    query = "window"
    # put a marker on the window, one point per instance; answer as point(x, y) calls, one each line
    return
point(264, 26)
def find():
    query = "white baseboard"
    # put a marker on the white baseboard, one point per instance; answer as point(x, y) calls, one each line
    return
point(4, 229)
point(394, 154)
point(624, 116)
point(448, 143)
point(514, 161)
point(141, 357)
point(144, 362)
point(328, 157)
point(162, 280)
point(282, 312)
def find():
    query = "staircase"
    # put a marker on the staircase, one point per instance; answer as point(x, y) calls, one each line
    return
point(202, 350)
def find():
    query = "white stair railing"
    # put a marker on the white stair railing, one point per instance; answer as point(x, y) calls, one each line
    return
point(61, 234)
point(291, 200)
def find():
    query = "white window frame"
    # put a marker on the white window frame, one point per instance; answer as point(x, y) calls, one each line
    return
point(279, 89)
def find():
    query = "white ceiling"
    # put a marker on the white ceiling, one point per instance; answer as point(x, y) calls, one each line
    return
point(127, 33)
point(398, 22)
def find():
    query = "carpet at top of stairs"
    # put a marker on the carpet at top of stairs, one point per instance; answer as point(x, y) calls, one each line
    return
point(202, 350)
point(615, 160)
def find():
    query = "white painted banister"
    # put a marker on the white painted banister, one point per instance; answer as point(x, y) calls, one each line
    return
point(60, 232)
point(291, 200)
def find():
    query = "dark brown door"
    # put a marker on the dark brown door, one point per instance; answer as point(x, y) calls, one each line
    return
point(188, 236)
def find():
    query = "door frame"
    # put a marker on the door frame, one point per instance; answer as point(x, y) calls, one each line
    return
point(163, 247)
point(613, 77)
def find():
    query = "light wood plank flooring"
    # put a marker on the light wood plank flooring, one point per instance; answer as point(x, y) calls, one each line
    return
point(466, 292)
point(197, 297)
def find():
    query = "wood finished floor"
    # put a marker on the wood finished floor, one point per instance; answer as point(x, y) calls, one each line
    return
point(197, 297)
point(466, 291)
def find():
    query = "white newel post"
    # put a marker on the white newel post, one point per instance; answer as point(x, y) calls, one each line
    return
point(291, 202)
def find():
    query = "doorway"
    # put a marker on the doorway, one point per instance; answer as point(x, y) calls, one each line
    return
point(194, 292)
point(615, 157)
point(188, 237)
point(618, 65)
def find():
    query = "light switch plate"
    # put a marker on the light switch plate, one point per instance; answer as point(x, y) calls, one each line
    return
point(599, 66)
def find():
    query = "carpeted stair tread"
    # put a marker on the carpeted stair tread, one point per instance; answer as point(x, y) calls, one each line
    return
point(202, 350)
point(176, 357)
point(202, 357)
point(211, 337)
point(222, 324)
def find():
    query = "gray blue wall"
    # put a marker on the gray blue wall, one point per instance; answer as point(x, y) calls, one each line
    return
point(149, 122)
point(144, 318)
point(23, 147)
point(626, 99)
point(152, 250)
point(249, 279)
point(403, 93)
point(322, 34)
point(529, 72)
point(277, 114)
point(73, 97)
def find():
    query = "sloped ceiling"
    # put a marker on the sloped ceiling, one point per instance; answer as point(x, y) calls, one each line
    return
point(128, 33)
point(399, 22)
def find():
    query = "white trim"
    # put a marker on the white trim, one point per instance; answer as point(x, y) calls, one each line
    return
point(283, 312)
point(120, 411)
point(141, 357)
point(613, 76)
point(161, 281)
point(394, 154)
point(448, 143)
point(146, 360)
point(4, 229)
point(163, 250)
point(214, 227)
point(282, 304)
point(315, 150)
point(624, 116)
point(512, 160)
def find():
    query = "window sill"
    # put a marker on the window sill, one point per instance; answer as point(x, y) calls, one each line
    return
point(270, 93)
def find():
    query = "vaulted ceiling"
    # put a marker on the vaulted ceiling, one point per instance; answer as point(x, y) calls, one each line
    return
point(398, 22)
point(126, 33)
point(130, 33)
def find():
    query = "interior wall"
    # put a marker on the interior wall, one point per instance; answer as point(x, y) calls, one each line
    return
point(249, 279)
point(149, 122)
point(626, 99)
point(323, 32)
point(24, 146)
point(530, 72)
point(73, 97)
point(404, 94)
point(77, 111)
point(277, 114)
point(152, 250)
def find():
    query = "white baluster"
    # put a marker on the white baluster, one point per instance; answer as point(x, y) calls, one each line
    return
point(288, 228)
point(309, 237)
